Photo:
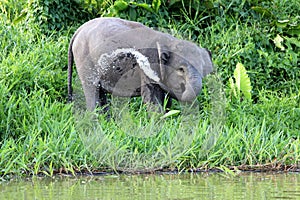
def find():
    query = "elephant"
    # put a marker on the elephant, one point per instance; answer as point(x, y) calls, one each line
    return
point(128, 59)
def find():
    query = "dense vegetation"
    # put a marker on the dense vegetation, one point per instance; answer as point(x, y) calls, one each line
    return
point(41, 133)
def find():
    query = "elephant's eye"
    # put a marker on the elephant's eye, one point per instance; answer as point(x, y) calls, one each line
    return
point(181, 70)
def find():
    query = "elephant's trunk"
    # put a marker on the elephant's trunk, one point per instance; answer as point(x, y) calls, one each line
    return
point(192, 87)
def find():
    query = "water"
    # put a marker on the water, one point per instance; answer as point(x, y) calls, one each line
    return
point(168, 186)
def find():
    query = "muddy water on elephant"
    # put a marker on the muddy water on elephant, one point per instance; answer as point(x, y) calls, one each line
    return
point(164, 186)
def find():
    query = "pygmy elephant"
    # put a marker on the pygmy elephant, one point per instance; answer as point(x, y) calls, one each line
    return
point(128, 59)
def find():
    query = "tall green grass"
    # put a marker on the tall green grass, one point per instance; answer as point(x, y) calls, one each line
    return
point(54, 140)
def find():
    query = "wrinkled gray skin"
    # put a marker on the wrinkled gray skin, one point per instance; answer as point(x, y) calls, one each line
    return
point(129, 59)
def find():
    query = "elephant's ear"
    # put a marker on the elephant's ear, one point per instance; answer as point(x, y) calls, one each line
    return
point(163, 58)
point(207, 65)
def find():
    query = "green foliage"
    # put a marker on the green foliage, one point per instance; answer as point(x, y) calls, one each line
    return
point(242, 83)
point(146, 12)
point(96, 7)
point(268, 67)
point(155, 13)
point(53, 15)
point(128, 8)
point(11, 10)
point(277, 15)
point(278, 42)
point(31, 68)
point(39, 65)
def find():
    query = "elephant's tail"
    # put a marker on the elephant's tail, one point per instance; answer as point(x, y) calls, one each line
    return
point(70, 69)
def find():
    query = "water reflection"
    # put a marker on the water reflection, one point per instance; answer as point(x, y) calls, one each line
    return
point(168, 186)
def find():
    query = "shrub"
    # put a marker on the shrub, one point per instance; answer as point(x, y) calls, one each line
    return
point(54, 15)
point(33, 62)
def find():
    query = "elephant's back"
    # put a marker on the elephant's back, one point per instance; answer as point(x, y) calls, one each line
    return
point(108, 26)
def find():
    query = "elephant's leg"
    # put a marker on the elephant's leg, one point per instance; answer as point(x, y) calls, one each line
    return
point(88, 76)
point(91, 93)
point(102, 99)
point(152, 95)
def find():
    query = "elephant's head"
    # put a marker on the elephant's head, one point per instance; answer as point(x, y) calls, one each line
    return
point(182, 66)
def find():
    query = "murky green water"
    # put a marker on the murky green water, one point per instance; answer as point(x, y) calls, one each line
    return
point(188, 186)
